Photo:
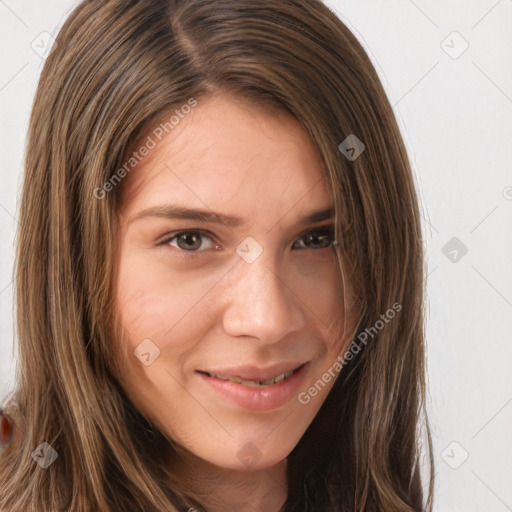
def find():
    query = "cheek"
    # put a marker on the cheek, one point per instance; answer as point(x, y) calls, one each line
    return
point(321, 290)
point(169, 308)
point(158, 331)
point(151, 298)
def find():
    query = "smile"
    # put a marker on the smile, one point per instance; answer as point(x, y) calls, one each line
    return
point(256, 382)
point(256, 389)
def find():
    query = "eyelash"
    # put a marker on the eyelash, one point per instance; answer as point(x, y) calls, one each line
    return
point(327, 230)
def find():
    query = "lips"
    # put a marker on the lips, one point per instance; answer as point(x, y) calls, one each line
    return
point(257, 389)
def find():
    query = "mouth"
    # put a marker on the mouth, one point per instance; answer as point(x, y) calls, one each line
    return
point(257, 389)
point(255, 382)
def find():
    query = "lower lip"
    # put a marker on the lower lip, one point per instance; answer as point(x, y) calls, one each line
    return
point(263, 398)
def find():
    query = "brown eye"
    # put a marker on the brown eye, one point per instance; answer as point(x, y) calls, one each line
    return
point(190, 241)
point(318, 239)
point(7, 429)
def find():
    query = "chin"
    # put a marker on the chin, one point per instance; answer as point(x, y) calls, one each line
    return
point(250, 455)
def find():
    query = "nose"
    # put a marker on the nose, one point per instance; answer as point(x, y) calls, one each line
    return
point(262, 303)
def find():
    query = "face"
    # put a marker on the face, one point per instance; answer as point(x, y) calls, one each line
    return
point(228, 285)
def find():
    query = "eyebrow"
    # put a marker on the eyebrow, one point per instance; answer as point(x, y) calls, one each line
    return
point(209, 216)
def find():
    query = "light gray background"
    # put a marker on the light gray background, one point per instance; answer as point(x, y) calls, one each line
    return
point(455, 112)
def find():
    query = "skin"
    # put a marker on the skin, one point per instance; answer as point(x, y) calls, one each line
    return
point(214, 309)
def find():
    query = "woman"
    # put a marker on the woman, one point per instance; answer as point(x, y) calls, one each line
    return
point(219, 270)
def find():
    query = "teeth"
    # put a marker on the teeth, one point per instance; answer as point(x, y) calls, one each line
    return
point(254, 383)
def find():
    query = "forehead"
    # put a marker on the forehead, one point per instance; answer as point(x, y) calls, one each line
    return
point(228, 150)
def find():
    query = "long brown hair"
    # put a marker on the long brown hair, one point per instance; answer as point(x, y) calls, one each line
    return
point(118, 68)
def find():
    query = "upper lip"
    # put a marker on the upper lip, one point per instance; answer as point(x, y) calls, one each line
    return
point(248, 372)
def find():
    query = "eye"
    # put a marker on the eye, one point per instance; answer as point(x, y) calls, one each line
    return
point(189, 241)
point(321, 238)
